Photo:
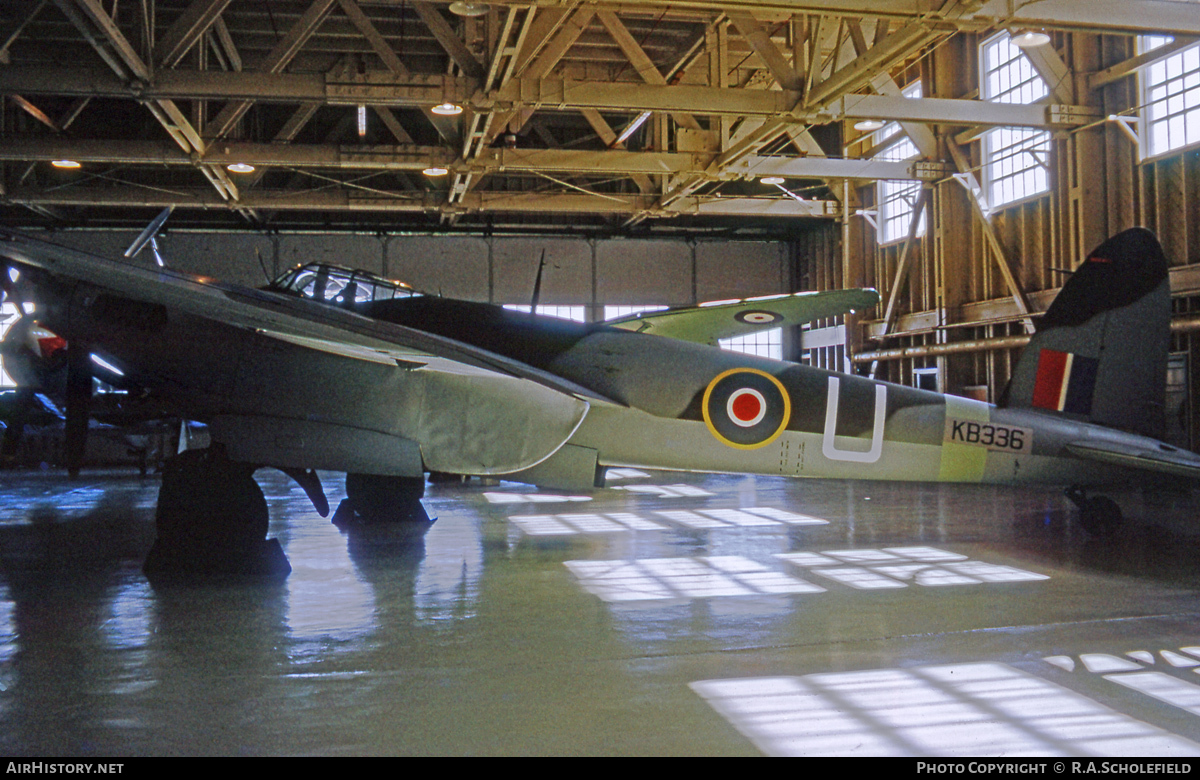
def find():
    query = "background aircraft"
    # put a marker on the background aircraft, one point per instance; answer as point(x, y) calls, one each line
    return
point(388, 384)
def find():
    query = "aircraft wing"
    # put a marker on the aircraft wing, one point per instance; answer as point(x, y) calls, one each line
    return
point(1148, 456)
point(470, 411)
point(708, 322)
point(468, 419)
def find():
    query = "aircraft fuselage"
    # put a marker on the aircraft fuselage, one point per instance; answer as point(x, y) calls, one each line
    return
point(619, 397)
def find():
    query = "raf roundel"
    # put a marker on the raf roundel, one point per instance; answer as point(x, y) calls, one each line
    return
point(746, 408)
point(757, 317)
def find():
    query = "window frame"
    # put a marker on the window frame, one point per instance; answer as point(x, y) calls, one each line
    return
point(764, 343)
point(613, 311)
point(889, 191)
point(1035, 89)
point(894, 137)
point(1146, 123)
point(574, 312)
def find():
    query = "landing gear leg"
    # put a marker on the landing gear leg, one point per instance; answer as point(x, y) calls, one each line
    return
point(212, 520)
point(1099, 515)
point(372, 498)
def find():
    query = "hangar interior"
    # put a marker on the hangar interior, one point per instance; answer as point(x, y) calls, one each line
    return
point(961, 157)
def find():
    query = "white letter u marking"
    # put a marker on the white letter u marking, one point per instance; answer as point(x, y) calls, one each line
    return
point(830, 450)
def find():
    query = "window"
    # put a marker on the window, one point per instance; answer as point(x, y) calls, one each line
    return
point(896, 199)
point(1016, 160)
point(1170, 99)
point(575, 313)
point(765, 343)
point(925, 378)
point(333, 284)
point(615, 311)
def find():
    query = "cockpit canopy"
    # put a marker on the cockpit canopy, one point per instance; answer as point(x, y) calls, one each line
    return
point(339, 286)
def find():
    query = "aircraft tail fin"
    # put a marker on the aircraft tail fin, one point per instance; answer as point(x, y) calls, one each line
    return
point(1100, 351)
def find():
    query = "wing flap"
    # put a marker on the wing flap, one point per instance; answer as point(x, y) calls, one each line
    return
point(707, 323)
point(1151, 456)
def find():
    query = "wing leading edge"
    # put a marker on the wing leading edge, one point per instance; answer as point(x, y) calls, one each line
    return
point(707, 323)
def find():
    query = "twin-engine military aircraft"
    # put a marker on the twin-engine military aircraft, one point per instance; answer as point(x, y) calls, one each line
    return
point(338, 370)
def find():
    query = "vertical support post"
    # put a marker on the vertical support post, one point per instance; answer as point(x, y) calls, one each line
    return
point(716, 40)
point(954, 247)
point(596, 310)
point(491, 265)
point(1088, 191)
point(1193, 378)
point(849, 280)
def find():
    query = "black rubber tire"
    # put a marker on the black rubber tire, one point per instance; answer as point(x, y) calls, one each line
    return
point(212, 519)
point(206, 499)
point(1100, 515)
point(377, 498)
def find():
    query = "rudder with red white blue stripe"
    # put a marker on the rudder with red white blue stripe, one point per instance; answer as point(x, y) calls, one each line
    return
point(1100, 351)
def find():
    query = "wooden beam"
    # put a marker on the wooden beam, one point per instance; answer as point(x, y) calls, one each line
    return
point(381, 47)
point(1053, 71)
point(228, 48)
point(760, 40)
point(609, 137)
point(568, 33)
point(989, 234)
point(641, 61)
point(35, 112)
point(276, 60)
point(130, 60)
point(191, 25)
point(128, 64)
point(449, 40)
point(900, 282)
point(1134, 64)
point(393, 125)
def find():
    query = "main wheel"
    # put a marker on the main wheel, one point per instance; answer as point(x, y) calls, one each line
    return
point(212, 519)
point(377, 498)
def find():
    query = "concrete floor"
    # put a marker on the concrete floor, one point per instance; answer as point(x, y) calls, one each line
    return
point(670, 614)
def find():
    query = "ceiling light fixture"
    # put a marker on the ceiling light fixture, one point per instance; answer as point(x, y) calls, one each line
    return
point(67, 164)
point(1028, 39)
point(459, 8)
point(240, 167)
point(447, 109)
point(362, 121)
point(435, 170)
point(771, 180)
point(868, 125)
point(631, 128)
